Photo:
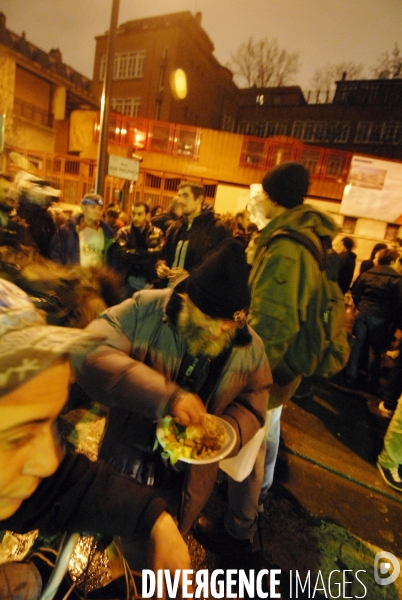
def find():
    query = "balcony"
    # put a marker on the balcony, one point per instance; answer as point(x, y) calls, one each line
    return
point(32, 112)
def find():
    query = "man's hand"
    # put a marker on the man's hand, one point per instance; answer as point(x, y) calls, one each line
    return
point(176, 273)
point(162, 270)
point(168, 550)
point(188, 408)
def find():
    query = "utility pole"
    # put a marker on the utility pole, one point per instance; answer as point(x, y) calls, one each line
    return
point(102, 165)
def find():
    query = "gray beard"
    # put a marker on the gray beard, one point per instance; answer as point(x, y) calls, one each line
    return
point(197, 340)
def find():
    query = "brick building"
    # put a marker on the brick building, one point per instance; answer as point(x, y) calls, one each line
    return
point(147, 52)
point(37, 94)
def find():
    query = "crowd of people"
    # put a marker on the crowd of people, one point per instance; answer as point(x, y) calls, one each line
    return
point(179, 312)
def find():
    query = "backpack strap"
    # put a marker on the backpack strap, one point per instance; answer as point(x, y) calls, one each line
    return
point(318, 253)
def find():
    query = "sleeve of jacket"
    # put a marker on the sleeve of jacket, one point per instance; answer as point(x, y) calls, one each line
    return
point(57, 246)
point(109, 374)
point(247, 412)
point(90, 498)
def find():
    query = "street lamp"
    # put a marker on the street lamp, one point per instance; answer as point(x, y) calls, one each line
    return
point(105, 102)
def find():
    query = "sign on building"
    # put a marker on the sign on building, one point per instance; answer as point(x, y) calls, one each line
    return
point(125, 168)
point(373, 190)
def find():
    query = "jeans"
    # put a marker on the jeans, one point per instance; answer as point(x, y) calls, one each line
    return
point(273, 423)
point(372, 330)
point(391, 454)
point(278, 395)
point(242, 514)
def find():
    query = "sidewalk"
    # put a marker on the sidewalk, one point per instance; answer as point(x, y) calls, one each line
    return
point(329, 508)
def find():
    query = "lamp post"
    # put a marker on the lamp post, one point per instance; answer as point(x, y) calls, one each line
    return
point(105, 102)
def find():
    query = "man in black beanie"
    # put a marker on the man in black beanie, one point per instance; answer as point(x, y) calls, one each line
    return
point(284, 284)
point(190, 348)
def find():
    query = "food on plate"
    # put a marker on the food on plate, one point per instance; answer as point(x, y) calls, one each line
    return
point(194, 441)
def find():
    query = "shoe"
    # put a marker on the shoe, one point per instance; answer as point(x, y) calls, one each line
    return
point(387, 413)
point(391, 477)
point(214, 537)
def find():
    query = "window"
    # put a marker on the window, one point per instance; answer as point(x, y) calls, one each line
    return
point(153, 181)
point(253, 153)
point(187, 141)
point(127, 106)
point(335, 165)
point(321, 131)
point(263, 129)
point(160, 138)
point(349, 224)
point(228, 123)
point(260, 99)
point(126, 65)
point(370, 132)
point(391, 232)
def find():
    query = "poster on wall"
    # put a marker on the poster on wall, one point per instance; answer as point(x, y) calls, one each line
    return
point(373, 190)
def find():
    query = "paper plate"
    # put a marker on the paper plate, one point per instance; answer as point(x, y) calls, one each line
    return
point(230, 440)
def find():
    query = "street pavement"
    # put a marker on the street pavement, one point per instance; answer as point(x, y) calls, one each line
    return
point(329, 508)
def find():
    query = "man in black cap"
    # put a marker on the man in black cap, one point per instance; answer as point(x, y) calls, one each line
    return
point(86, 238)
point(285, 290)
point(189, 348)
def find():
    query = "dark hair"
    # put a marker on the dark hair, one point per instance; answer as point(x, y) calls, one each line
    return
point(197, 189)
point(155, 208)
point(387, 256)
point(139, 203)
point(377, 248)
point(6, 176)
point(348, 242)
point(112, 211)
point(251, 228)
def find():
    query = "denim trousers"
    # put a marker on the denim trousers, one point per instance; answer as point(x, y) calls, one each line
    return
point(278, 395)
point(391, 454)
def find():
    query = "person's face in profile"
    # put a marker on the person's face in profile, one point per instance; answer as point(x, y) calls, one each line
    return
point(29, 450)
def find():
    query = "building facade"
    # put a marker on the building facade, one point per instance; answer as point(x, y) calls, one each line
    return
point(147, 55)
point(37, 94)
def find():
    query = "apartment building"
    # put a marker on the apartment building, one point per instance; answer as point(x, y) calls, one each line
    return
point(38, 94)
point(148, 54)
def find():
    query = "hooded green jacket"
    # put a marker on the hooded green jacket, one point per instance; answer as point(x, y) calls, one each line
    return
point(285, 294)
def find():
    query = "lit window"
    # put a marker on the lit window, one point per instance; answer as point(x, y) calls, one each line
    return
point(126, 65)
point(127, 106)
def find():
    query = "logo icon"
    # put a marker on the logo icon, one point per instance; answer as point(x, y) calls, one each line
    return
point(386, 568)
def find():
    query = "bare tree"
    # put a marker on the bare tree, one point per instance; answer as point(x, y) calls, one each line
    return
point(325, 77)
point(389, 65)
point(262, 63)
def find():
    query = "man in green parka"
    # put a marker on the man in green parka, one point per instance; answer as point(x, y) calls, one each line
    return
point(284, 282)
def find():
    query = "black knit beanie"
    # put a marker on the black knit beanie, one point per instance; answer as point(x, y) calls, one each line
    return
point(218, 286)
point(287, 184)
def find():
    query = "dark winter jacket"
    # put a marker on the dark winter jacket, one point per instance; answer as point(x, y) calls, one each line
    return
point(136, 252)
point(65, 245)
point(88, 497)
point(205, 233)
point(41, 225)
point(165, 220)
point(138, 364)
point(378, 292)
point(16, 233)
point(347, 263)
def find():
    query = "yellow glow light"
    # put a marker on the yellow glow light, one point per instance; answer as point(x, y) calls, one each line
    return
point(178, 84)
